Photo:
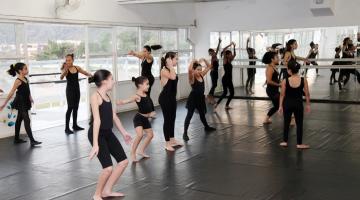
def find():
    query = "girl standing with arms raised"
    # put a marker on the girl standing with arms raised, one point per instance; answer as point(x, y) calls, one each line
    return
point(227, 78)
point(71, 72)
point(141, 119)
point(196, 99)
point(214, 74)
point(291, 102)
point(167, 98)
point(22, 101)
point(104, 142)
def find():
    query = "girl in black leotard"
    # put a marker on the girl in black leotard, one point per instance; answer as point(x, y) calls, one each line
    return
point(141, 119)
point(291, 46)
point(147, 61)
point(333, 71)
point(71, 72)
point(271, 59)
point(313, 53)
point(167, 98)
point(104, 142)
point(22, 101)
point(227, 78)
point(214, 74)
point(196, 99)
point(250, 71)
point(291, 102)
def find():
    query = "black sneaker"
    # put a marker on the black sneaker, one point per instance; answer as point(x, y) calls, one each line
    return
point(35, 143)
point(19, 141)
point(68, 131)
point(78, 128)
point(186, 137)
point(208, 128)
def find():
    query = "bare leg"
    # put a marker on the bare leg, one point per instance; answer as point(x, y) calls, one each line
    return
point(116, 173)
point(137, 140)
point(103, 178)
point(149, 137)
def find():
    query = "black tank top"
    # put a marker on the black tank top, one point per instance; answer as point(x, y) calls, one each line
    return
point(274, 78)
point(72, 80)
point(294, 93)
point(170, 89)
point(145, 104)
point(228, 70)
point(106, 115)
point(198, 87)
point(146, 68)
point(252, 62)
point(312, 54)
point(215, 64)
point(22, 98)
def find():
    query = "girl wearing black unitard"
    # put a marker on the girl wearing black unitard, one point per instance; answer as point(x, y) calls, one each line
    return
point(250, 71)
point(313, 53)
point(333, 71)
point(104, 142)
point(196, 99)
point(22, 102)
point(147, 60)
point(271, 59)
point(141, 119)
point(227, 78)
point(167, 98)
point(71, 72)
point(291, 102)
point(214, 74)
point(289, 55)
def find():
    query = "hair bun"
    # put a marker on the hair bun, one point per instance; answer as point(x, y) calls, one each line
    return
point(156, 47)
point(91, 79)
point(133, 79)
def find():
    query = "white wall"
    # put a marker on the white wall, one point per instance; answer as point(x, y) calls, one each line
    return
point(104, 11)
point(265, 15)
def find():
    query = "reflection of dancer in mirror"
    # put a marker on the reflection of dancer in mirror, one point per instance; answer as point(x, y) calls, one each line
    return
point(71, 72)
point(141, 119)
point(147, 60)
point(196, 99)
point(313, 53)
point(104, 142)
point(22, 101)
point(214, 74)
point(227, 77)
point(291, 102)
point(334, 70)
point(250, 71)
point(167, 98)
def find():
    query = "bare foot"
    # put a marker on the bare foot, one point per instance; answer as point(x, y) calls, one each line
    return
point(133, 158)
point(143, 154)
point(175, 143)
point(302, 146)
point(284, 144)
point(95, 197)
point(292, 123)
point(112, 194)
point(168, 147)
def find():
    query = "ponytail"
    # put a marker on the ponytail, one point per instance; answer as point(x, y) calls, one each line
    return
point(139, 80)
point(288, 45)
point(15, 68)
point(152, 47)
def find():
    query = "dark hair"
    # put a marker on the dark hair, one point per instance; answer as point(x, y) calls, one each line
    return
point(211, 50)
point(312, 44)
point(15, 68)
point(70, 55)
point(294, 66)
point(346, 40)
point(226, 53)
point(170, 55)
point(282, 50)
point(99, 76)
point(152, 47)
point(250, 50)
point(196, 65)
point(337, 49)
point(139, 80)
point(289, 43)
point(268, 56)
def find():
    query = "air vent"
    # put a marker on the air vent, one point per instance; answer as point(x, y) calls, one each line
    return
point(322, 7)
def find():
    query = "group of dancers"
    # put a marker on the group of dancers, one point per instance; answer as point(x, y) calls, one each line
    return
point(286, 96)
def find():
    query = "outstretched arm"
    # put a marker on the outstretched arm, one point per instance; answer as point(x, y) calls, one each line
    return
point(208, 67)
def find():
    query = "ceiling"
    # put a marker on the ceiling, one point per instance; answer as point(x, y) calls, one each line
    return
point(121, 2)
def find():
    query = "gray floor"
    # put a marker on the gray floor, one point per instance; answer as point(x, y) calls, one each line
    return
point(241, 160)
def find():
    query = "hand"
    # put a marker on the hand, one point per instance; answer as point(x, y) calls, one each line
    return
point(280, 111)
point(94, 152)
point(152, 114)
point(307, 109)
point(120, 102)
point(127, 138)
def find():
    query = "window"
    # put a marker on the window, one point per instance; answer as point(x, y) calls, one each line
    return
point(100, 49)
point(184, 59)
point(183, 42)
point(214, 38)
point(186, 53)
point(169, 40)
point(127, 40)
